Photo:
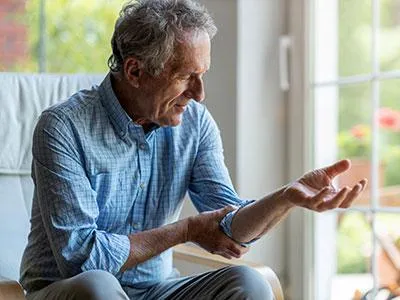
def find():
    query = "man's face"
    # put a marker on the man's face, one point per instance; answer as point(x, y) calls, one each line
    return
point(166, 96)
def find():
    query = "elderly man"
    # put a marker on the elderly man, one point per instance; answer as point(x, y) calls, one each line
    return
point(112, 165)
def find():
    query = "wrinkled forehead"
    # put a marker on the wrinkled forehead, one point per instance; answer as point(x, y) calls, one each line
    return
point(192, 53)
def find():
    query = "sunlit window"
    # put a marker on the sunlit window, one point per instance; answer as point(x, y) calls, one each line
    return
point(56, 36)
point(356, 94)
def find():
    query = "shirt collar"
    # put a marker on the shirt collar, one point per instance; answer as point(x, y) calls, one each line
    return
point(119, 118)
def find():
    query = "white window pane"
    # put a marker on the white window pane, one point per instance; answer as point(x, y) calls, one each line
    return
point(355, 36)
point(344, 115)
point(389, 35)
point(342, 129)
point(354, 248)
point(354, 137)
point(342, 35)
point(389, 142)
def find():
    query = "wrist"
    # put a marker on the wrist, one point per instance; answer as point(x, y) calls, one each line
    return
point(184, 226)
point(190, 226)
point(285, 196)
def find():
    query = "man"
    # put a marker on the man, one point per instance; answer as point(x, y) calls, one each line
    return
point(112, 165)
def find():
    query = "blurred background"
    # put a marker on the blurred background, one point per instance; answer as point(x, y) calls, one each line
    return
point(294, 84)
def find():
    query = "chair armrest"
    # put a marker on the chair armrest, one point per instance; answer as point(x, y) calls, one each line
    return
point(196, 255)
point(10, 290)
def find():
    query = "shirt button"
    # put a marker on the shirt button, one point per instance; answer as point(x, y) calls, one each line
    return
point(142, 146)
point(136, 226)
point(142, 185)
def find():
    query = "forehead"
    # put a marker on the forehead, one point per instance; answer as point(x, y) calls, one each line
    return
point(192, 55)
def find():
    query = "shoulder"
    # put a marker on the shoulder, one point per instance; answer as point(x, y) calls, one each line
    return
point(63, 117)
point(77, 108)
point(79, 103)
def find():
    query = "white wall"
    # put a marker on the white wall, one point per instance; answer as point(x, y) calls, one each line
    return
point(221, 80)
point(242, 91)
point(261, 130)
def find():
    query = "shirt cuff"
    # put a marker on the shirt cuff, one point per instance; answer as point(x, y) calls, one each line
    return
point(109, 253)
point(226, 223)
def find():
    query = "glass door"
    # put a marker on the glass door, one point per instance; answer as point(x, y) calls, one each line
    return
point(354, 89)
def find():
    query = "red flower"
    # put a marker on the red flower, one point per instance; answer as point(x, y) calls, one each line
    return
point(389, 119)
point(359, 131)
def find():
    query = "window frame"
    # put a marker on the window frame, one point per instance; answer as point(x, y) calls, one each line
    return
point(300, 235)
point(303, 234)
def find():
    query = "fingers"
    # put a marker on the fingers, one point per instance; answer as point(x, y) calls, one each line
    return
point(223, 211)
point(364, 184)
point(320, 197)
point(226, 209)
point(337, 168)
point(237, 249)
point(228, 248)
point(357, 189)
point(335, 201)
point(232, 251)
point(351, 196)
point(343, 199)
point(223, 254)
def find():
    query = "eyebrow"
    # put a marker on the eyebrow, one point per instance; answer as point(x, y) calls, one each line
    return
point(183, 73)
point(198, 72)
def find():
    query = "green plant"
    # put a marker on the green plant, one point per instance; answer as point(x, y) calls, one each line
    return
point(353, 244)
point(355, 142)
point(77, 35)
point(397, 243)
point(392, 162)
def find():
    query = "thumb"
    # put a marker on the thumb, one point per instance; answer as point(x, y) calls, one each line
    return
point(337, 168)
point(225, 210)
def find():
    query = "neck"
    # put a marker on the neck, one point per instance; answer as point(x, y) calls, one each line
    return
point(127, 96)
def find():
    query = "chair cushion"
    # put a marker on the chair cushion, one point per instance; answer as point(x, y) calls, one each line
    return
point(23, 97)
point(14, 218)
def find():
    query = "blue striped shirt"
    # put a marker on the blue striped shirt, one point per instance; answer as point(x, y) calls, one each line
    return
point(99, 177)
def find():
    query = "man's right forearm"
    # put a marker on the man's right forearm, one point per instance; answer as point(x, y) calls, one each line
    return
point(149, 243)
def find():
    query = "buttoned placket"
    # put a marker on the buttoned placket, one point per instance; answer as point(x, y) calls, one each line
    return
point(144, 159)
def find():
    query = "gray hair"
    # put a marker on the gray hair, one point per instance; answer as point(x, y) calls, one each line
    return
point(150, 29)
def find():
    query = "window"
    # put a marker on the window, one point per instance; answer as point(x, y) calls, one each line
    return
point(57, 36)
point(354, 87)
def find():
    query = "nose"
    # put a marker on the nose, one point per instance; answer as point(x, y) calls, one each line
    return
point(195, 89)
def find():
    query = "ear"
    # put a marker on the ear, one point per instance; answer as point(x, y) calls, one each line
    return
point(133, 71)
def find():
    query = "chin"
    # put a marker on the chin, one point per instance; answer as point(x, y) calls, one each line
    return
point(171, 119)
point(174, 121)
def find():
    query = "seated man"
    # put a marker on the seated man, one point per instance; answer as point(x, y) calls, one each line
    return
point(112, 165)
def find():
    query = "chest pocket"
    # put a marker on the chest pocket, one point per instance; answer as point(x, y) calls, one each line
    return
point(115, 195)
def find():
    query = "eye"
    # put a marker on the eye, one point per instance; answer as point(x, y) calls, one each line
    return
point(185, 77)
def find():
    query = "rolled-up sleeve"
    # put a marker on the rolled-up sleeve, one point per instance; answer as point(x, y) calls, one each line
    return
point(68, 203)
point(211, 187)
